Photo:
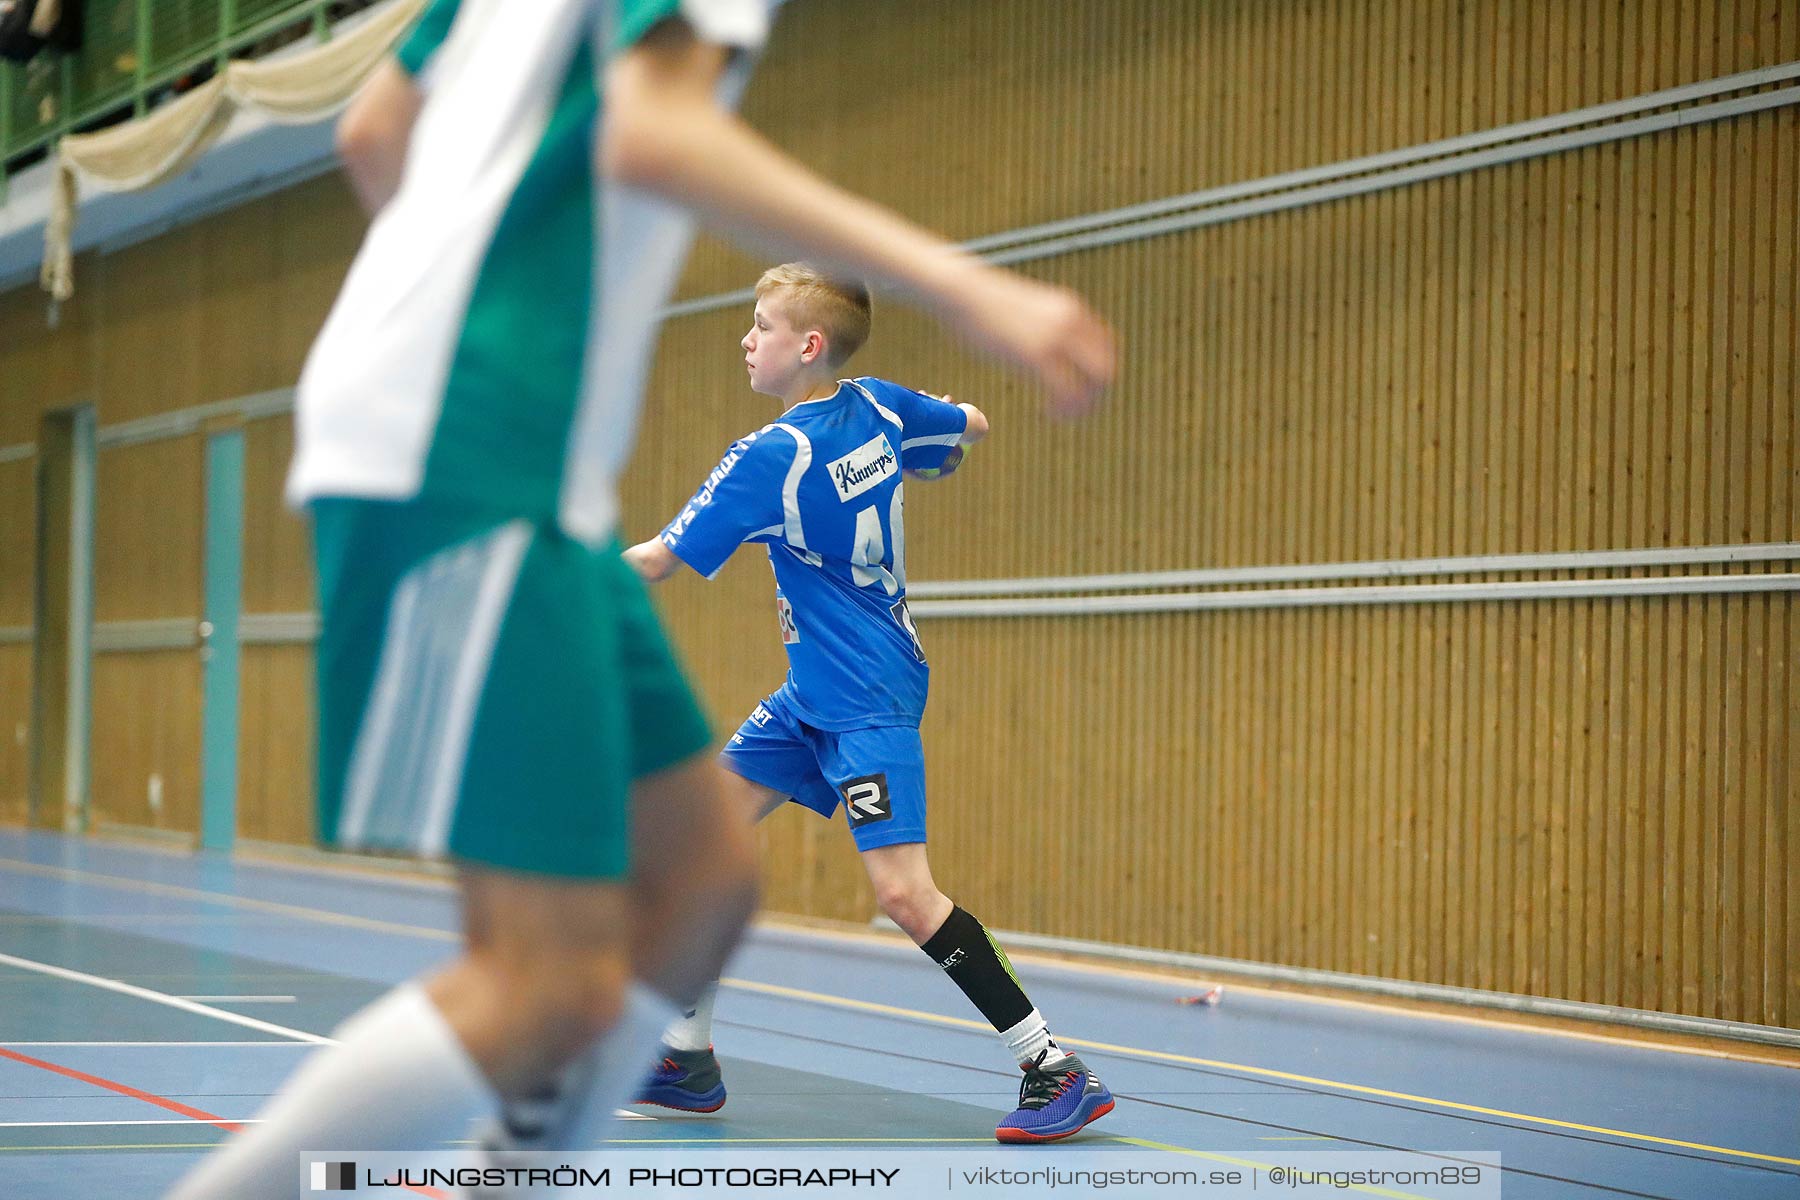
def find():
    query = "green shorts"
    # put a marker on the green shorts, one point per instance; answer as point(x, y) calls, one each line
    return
point(488, 690)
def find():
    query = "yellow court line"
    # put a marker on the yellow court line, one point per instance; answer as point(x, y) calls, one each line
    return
point(868, 1006)
point(773, 989)
point(436, 883)
point(175, 891)
point(776, 921)
point(1366, 1189)
point(800, 1141)
point(1185, 977)
point(846, 1002)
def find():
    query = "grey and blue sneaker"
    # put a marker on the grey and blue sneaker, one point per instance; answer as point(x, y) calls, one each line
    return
point(686, 1080)
point(1055, 1103)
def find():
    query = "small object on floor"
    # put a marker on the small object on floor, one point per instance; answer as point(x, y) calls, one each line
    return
point(1210, 997)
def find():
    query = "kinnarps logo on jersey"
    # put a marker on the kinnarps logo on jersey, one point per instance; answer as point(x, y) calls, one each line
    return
point(863, 468)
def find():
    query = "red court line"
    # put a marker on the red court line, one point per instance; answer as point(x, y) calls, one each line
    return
point(174, 1106)
point(124, 1089)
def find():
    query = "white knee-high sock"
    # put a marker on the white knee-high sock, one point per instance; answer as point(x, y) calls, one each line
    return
point(576, 1114)
point(693, 1029)
point(398, 1079)
point(1031, 1037)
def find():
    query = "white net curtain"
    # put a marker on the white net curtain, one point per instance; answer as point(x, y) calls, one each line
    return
point(296, 90)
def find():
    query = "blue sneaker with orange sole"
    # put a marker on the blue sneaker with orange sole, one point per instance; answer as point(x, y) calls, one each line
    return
point(1055, 1102)
point(686, 1080)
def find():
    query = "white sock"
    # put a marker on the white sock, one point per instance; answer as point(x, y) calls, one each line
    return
point(596, 1084)
point(1031, 1037)
point(397, 1080)
point(693, 1029)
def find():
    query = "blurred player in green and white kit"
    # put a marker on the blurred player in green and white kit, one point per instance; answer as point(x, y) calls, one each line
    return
point(492, 684)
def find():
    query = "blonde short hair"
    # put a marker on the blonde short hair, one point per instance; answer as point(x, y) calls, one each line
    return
point(811, 299)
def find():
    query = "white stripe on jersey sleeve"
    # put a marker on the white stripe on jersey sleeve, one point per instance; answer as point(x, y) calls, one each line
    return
point(944, 439)
point(792, 530)
point(887, 414)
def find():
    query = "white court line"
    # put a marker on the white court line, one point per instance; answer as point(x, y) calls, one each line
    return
point(243, 999)
point(228, 900)
point(125, 918)
point(813, 933)
point(183, 1045)
point(170, 1121)
point(621, 1114)
point(163, 998)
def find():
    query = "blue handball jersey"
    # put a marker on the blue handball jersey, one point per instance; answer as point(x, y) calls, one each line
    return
point(822, 488)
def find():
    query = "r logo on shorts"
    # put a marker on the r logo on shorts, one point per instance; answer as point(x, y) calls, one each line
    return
point(866, 800)
point(875, 773)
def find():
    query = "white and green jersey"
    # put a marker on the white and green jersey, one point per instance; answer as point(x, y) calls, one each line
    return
point(490, 344)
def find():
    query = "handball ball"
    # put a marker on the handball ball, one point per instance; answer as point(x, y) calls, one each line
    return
point(951, 462)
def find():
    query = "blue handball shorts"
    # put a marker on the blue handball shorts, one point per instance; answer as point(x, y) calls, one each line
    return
point(878, 774)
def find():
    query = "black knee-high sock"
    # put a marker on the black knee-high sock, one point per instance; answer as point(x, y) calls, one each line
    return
point(977, 965)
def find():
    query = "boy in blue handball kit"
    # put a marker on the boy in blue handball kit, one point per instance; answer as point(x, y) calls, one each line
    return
point(493, 685)
point(822, 488)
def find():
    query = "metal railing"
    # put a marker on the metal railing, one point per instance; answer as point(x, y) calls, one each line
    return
point(131, 51)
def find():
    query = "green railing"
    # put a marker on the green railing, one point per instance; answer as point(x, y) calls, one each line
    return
point(131, 49)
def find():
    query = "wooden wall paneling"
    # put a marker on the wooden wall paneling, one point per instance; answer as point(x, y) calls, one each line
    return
point(1645, 771)
point(1565, 463)
point(151, 354)
point(1779, 318)
point(1036, 69)
point(1534, 498)
point(1617, 384)
point(18, 580)
point(18, 540)
point(1733, 470)
point(278, 568)
point(316, 229)
point(1782, 666)
point(1683, 895)
point(147, 566)
point(52, 582)
point(1719, 406)
point(1592, 332)
point(146, 740)
point(1740, 822)
point(1606, 887)
point(42, 368)
point(1646, 401)
point(238, 302)
point(1429, 952)
point(1320, 940)
point(147, 530)
point(15, 731)
point(1595, 268)
point(1672, 325)
point(1783, 962)
point(1396, 786)
point(275, 750)
point(1588, 351)
point(1716, 842)
point(275, 762)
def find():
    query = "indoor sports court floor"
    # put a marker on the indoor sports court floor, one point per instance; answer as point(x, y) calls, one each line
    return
point(148, 998)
